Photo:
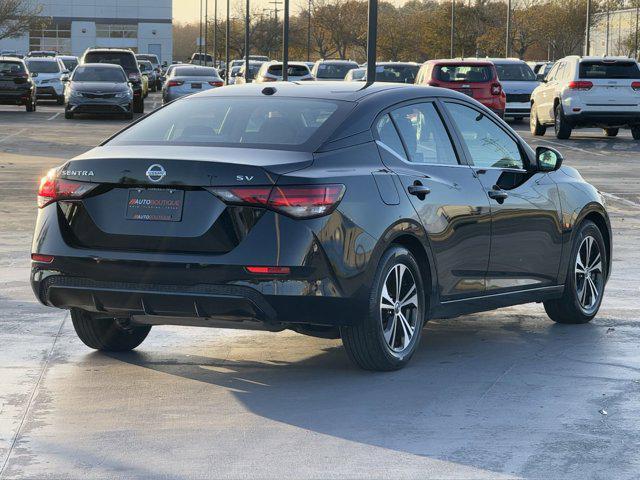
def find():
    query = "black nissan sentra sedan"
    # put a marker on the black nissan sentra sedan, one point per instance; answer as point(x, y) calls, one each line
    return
point(329, 209)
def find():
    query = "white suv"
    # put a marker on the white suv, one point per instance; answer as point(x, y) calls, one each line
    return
point(601, 92)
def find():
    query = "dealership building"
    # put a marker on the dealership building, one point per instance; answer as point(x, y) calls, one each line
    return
point(145, 26)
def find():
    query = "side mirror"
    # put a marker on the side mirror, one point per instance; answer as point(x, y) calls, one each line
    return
point(548, 159)
point(64, 78)
point(540, 77)
point(34, 74)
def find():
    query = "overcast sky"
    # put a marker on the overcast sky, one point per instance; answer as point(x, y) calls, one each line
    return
point(187, 10)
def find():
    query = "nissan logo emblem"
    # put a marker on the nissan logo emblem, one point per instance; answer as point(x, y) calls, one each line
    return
point(156, 172)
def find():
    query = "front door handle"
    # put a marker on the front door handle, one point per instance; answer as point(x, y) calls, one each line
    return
point(498, 195)
point(419, 190)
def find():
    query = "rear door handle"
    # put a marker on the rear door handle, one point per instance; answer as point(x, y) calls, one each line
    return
point(498, 195)
point(419, 191)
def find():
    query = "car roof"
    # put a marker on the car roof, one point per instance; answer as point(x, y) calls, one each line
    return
point(506, 60)
point(67, 57)
point(409, 64)
point(9, 58)
point(460, 61)
point(43, 59)
point(107, 49)
point(102, 65)
point(337, 61)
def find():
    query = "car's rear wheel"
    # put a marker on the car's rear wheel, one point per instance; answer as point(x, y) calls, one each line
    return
point(635, 132)
point(31, 105)
point(388, 336)
point(611, 132)
point(138, 105)
point(536, 128)
point(561, 124)
point(107, 334)
point(68, 115)
point(60, 99)
point(585, 281)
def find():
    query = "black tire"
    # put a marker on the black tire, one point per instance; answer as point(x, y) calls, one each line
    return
point(138, 105)
point(635, 132)
point(31, 106)
point(610, 132)
point(568, 309)
point(536, 128)
point(60, 99)
point(128, 116)
point(561, 124)
point(365, 341)
point(107, 334)
point(68, 115)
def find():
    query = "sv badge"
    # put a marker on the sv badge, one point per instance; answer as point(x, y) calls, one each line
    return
point(244, 178)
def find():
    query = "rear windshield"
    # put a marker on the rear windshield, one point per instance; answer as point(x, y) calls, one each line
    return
point(515, 72)
point(273, 123)
point(70, 63)
point(98, 74)
point(195, 72)
point(334, 70)
point(397, 73)
point(11, 68)
point(43, 66)
point(609, 70)
point(292, 70)
point(464, 73)
point(125, 60)
point(152, 58)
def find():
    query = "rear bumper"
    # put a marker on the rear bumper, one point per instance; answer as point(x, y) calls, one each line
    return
point(613, 118)
point(15, 98)
point(517, 108)
point(197, 305)
point(48, 92)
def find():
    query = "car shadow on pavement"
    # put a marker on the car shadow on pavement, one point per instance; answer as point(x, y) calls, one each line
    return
point(506, 394)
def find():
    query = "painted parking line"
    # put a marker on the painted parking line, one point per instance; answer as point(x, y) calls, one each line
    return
point(54, 116)
point(7, 137)
point(578, 149)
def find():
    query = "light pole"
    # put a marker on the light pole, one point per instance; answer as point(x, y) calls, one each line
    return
point(587, 29)
point(285, 42)
point(453, 22)
point(636, 42)
point(206, 29)
point(309, 33)
point(606, 45)
point(246, 43)
point(200, 37)
point(372, 32)
point(226, 47)
point(507, 49)
point(215, 32)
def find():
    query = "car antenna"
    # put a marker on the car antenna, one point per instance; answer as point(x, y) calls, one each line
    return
point(372, 34)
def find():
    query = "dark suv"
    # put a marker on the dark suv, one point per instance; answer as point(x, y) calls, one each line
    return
point(16, 85)
point(127, 60)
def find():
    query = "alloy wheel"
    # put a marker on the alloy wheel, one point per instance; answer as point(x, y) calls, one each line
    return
point(588, 274)
point(399, 308)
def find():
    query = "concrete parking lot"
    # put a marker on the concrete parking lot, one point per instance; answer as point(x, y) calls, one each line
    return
point(506, 394)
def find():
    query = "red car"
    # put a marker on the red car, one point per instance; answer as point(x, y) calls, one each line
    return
point(476, 78)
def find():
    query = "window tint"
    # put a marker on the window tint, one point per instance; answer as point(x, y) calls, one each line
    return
point(334, 70)
point(424, 134)
point(488, 144)
point(39, 66)
point(195, 72)
point(396, 73)
point(98, 74)
point(124, 59)
point(235, 122)
point(10, 68)
point(389, 135)
point(609, 69)
point(292, 70)
point(515, 72)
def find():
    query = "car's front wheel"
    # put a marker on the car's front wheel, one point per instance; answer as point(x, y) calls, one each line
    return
point(611, 132)
point(635, 132)
point(107, 334)
point(536, 127)
point(585, 281)
point(389, 335)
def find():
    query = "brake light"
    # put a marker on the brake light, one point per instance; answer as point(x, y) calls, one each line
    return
point(36, 257)
point(580, 85)
point(53, 189)
point(216, 84)
point(175, 83)
point(298, 201)
point(635, 85)
point(496, 89)
point(269, 270)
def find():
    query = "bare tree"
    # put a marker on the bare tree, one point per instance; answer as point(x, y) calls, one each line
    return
point(17, 17)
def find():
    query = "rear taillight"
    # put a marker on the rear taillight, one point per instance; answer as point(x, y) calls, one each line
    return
point(496, 89)
point(37, 257)
point(175, 83)
point(269, 270)
point(298, 201)
point(580, 85)
point(216, 84)
point(53, 189)
point(635, 85)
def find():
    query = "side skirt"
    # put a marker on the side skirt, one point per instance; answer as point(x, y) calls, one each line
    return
point(455, 308)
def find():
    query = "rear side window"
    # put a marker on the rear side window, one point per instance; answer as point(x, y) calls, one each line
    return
point(389, 135)
point(602, 69)
point(125, 60)
point(275, 123)
point(464, 73)
point(488, 144)
point(424, 135)
point(11, 68)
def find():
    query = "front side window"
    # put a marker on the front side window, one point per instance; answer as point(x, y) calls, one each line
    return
point(424, 135)
point(275, 123)
point(488, 144)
